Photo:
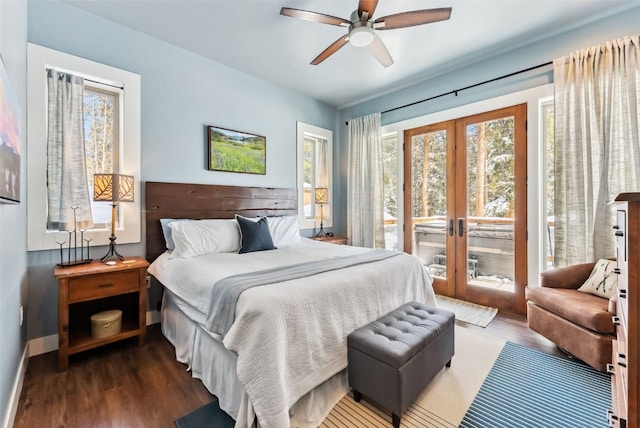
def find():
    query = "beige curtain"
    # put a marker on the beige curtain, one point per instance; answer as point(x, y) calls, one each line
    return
point(597, 148)
point(68, 200)
point(322, 162)
point(365, 202)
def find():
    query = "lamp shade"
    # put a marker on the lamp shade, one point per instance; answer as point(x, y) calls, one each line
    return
point(322, 195)
point(113, 187)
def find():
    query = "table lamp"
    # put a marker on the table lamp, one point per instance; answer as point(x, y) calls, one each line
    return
point(113, 188)
point(321, 197)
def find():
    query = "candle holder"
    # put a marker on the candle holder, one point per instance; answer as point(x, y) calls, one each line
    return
point(72, 247)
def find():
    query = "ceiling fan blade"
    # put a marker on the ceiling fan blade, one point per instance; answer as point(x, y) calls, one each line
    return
point(409, 19)
point(314, 17)
point(333, 48)
point(367, 7)
point(379, 50)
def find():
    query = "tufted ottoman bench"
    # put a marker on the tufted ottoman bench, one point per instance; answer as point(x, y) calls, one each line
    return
point(392, 359)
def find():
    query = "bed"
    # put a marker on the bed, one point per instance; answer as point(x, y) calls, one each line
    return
point(279, 357)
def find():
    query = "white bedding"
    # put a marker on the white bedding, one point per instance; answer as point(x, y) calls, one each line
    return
point(290, 337)
point(192, 279)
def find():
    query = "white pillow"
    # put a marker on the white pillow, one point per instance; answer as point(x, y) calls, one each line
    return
point(602, 281)
point(198, 237)
point(166, 231)
point(284, 230)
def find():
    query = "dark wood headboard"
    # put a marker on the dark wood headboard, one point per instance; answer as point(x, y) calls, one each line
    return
point(201, 201)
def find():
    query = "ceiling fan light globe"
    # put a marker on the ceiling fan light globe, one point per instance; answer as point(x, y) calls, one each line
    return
point(361, 36)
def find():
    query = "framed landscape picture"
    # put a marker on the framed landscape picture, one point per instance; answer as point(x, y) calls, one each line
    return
point(9, 140)
point(236, 151)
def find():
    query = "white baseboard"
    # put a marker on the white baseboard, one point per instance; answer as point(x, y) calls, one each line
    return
point(153, 317)
point(12, 404)
point(42, 345)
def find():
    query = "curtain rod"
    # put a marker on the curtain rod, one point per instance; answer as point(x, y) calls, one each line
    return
point(87, 79)
point(106, 84)
point(455, 91)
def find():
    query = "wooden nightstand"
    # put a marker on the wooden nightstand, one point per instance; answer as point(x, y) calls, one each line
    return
point(337, 240)
point(84, 290)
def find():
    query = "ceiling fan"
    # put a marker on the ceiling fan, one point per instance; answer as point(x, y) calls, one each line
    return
point(362, 27)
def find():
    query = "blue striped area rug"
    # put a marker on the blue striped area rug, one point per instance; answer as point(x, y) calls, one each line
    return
point(527, 388)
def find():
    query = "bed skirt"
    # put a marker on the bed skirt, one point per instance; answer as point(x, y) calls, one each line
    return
point(208, 360)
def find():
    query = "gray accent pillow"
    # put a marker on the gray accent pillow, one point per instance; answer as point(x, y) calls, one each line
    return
point(254, 235)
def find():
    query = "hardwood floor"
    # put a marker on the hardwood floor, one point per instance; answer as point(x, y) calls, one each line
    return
point(118, 385)
point(513, 327)
point(123, 385)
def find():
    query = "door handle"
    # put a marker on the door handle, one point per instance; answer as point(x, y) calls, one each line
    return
point(460, 226)
point(450, 227)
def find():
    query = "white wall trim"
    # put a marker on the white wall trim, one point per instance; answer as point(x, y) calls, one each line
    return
point(42, 345)
point(39, 59)
point(12, 404)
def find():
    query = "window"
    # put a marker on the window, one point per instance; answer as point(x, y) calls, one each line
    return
point(548, 140)
point(112, 139)
point(390, 167)
point(101, 126)
point(314, 171)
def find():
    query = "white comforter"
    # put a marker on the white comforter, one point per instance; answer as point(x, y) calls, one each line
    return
point(291, 336)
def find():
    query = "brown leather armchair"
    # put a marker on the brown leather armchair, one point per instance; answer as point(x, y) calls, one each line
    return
point(579, 323)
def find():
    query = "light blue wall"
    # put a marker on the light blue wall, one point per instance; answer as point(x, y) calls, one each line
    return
point(13, 225)
point(181, 93)
point(540, 52)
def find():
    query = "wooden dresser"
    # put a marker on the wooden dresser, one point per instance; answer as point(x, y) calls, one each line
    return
point(626, 351)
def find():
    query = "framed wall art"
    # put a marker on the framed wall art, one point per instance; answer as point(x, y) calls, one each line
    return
point(9, 140)
point(235, 151)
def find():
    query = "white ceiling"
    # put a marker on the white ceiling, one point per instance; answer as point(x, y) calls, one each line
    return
point(252, 36)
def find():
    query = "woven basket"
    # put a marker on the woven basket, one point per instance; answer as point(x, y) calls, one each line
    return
point(107, 323)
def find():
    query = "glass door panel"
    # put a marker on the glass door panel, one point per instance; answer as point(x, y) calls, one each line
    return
point(390, 180)
point(429, 200)
point(428, 230)
point(491, 208)
point(490, 183)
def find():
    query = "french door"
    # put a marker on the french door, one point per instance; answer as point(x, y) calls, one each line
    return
point(465, 205)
